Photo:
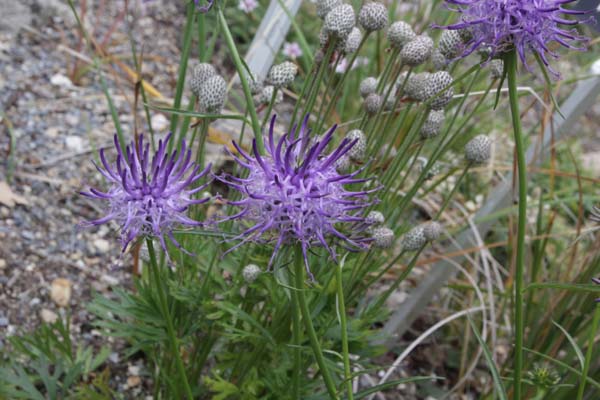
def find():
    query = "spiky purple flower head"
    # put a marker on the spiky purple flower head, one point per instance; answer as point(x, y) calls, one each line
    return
point(206, 8)
point(149, 195)
point(294, 195)
point(525, 25)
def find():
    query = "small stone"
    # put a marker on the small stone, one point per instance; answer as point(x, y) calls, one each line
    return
point(74, 143)
point(3, 322)
point(102, 245)
point(133, 381)
point(2, 263)
point(48, 316)
point(52, 132)
point(60, 291)
point(159, 122)
point(61, 80)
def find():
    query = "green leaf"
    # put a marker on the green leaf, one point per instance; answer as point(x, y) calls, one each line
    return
point(178, 111)
point(573, 343)
point(574, 287)
point(488, 357)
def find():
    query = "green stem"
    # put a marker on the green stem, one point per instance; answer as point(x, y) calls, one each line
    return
point(511, 65)
point(310, 329)
point(344, 328)
point(296, 339)
point(167, 316)
point(589, 353)
point(241, 70)
point(183, 62)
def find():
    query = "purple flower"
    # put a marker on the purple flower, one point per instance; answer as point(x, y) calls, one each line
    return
point(294, 195)
point(292, 50)
point(526, 25)
point(149, 196)
point(247, 6)
point(206, 8)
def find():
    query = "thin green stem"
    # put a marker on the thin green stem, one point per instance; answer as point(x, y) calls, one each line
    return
point(589, 353)
point(296, 339)
point(344, 328)
point(511, 65)
point(310, 329)
point(183, 62)
point(241, 70)
point(167, 316)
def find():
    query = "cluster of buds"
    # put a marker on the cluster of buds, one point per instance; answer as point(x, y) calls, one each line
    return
point(419, 236)
point(209, 87)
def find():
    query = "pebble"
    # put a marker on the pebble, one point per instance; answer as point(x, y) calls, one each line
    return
point(159, 122)
point(60, 291)
point(60, 80)
point(48, 316)
point(133, 381)
point(2, 263)
point(74, 143)
point(3, 322)
point(102, 245)
point(52, 132)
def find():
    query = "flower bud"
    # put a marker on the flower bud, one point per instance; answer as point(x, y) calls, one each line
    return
point(438, 60)
point(416, 85)
point(432, 230)
point(373, 16)
point(353, 41)
point(450, 44)
point(340, 21)
point(497, 68)
point(414, 239)
point(266, 95)
point(434, 85)
point(399, 34)
point(282, 75)
point(250, 273)
point(368, 86)
point(200, 74)
point(433, 124)
point(383, 237)
point(375, 218)
point(324, 6)
point(357, 152)
point(479, 149)
point(417, 51)
point(212, 94)
point(372, 103)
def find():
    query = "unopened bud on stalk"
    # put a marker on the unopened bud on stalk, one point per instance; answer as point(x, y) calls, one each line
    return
point(200, 74)
point(414, 239)
point(375, 218)
point(497, 68)
point(416, 85)
point(282, 75)
point(383, 237)
point(373, 16)
point(433, 124)
point(479, 149)
point(432, 230)
point(250, 273)
point(417, 51)
point(212, 94)
point(372, 103)
point(340, 21)
point(324, 6)
point(399, 34)
point(450, 44)
point(438, 60)
point(434, 85)
point(353, 41)
point(357, 152)
point(266, 95)
point(368, 86)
